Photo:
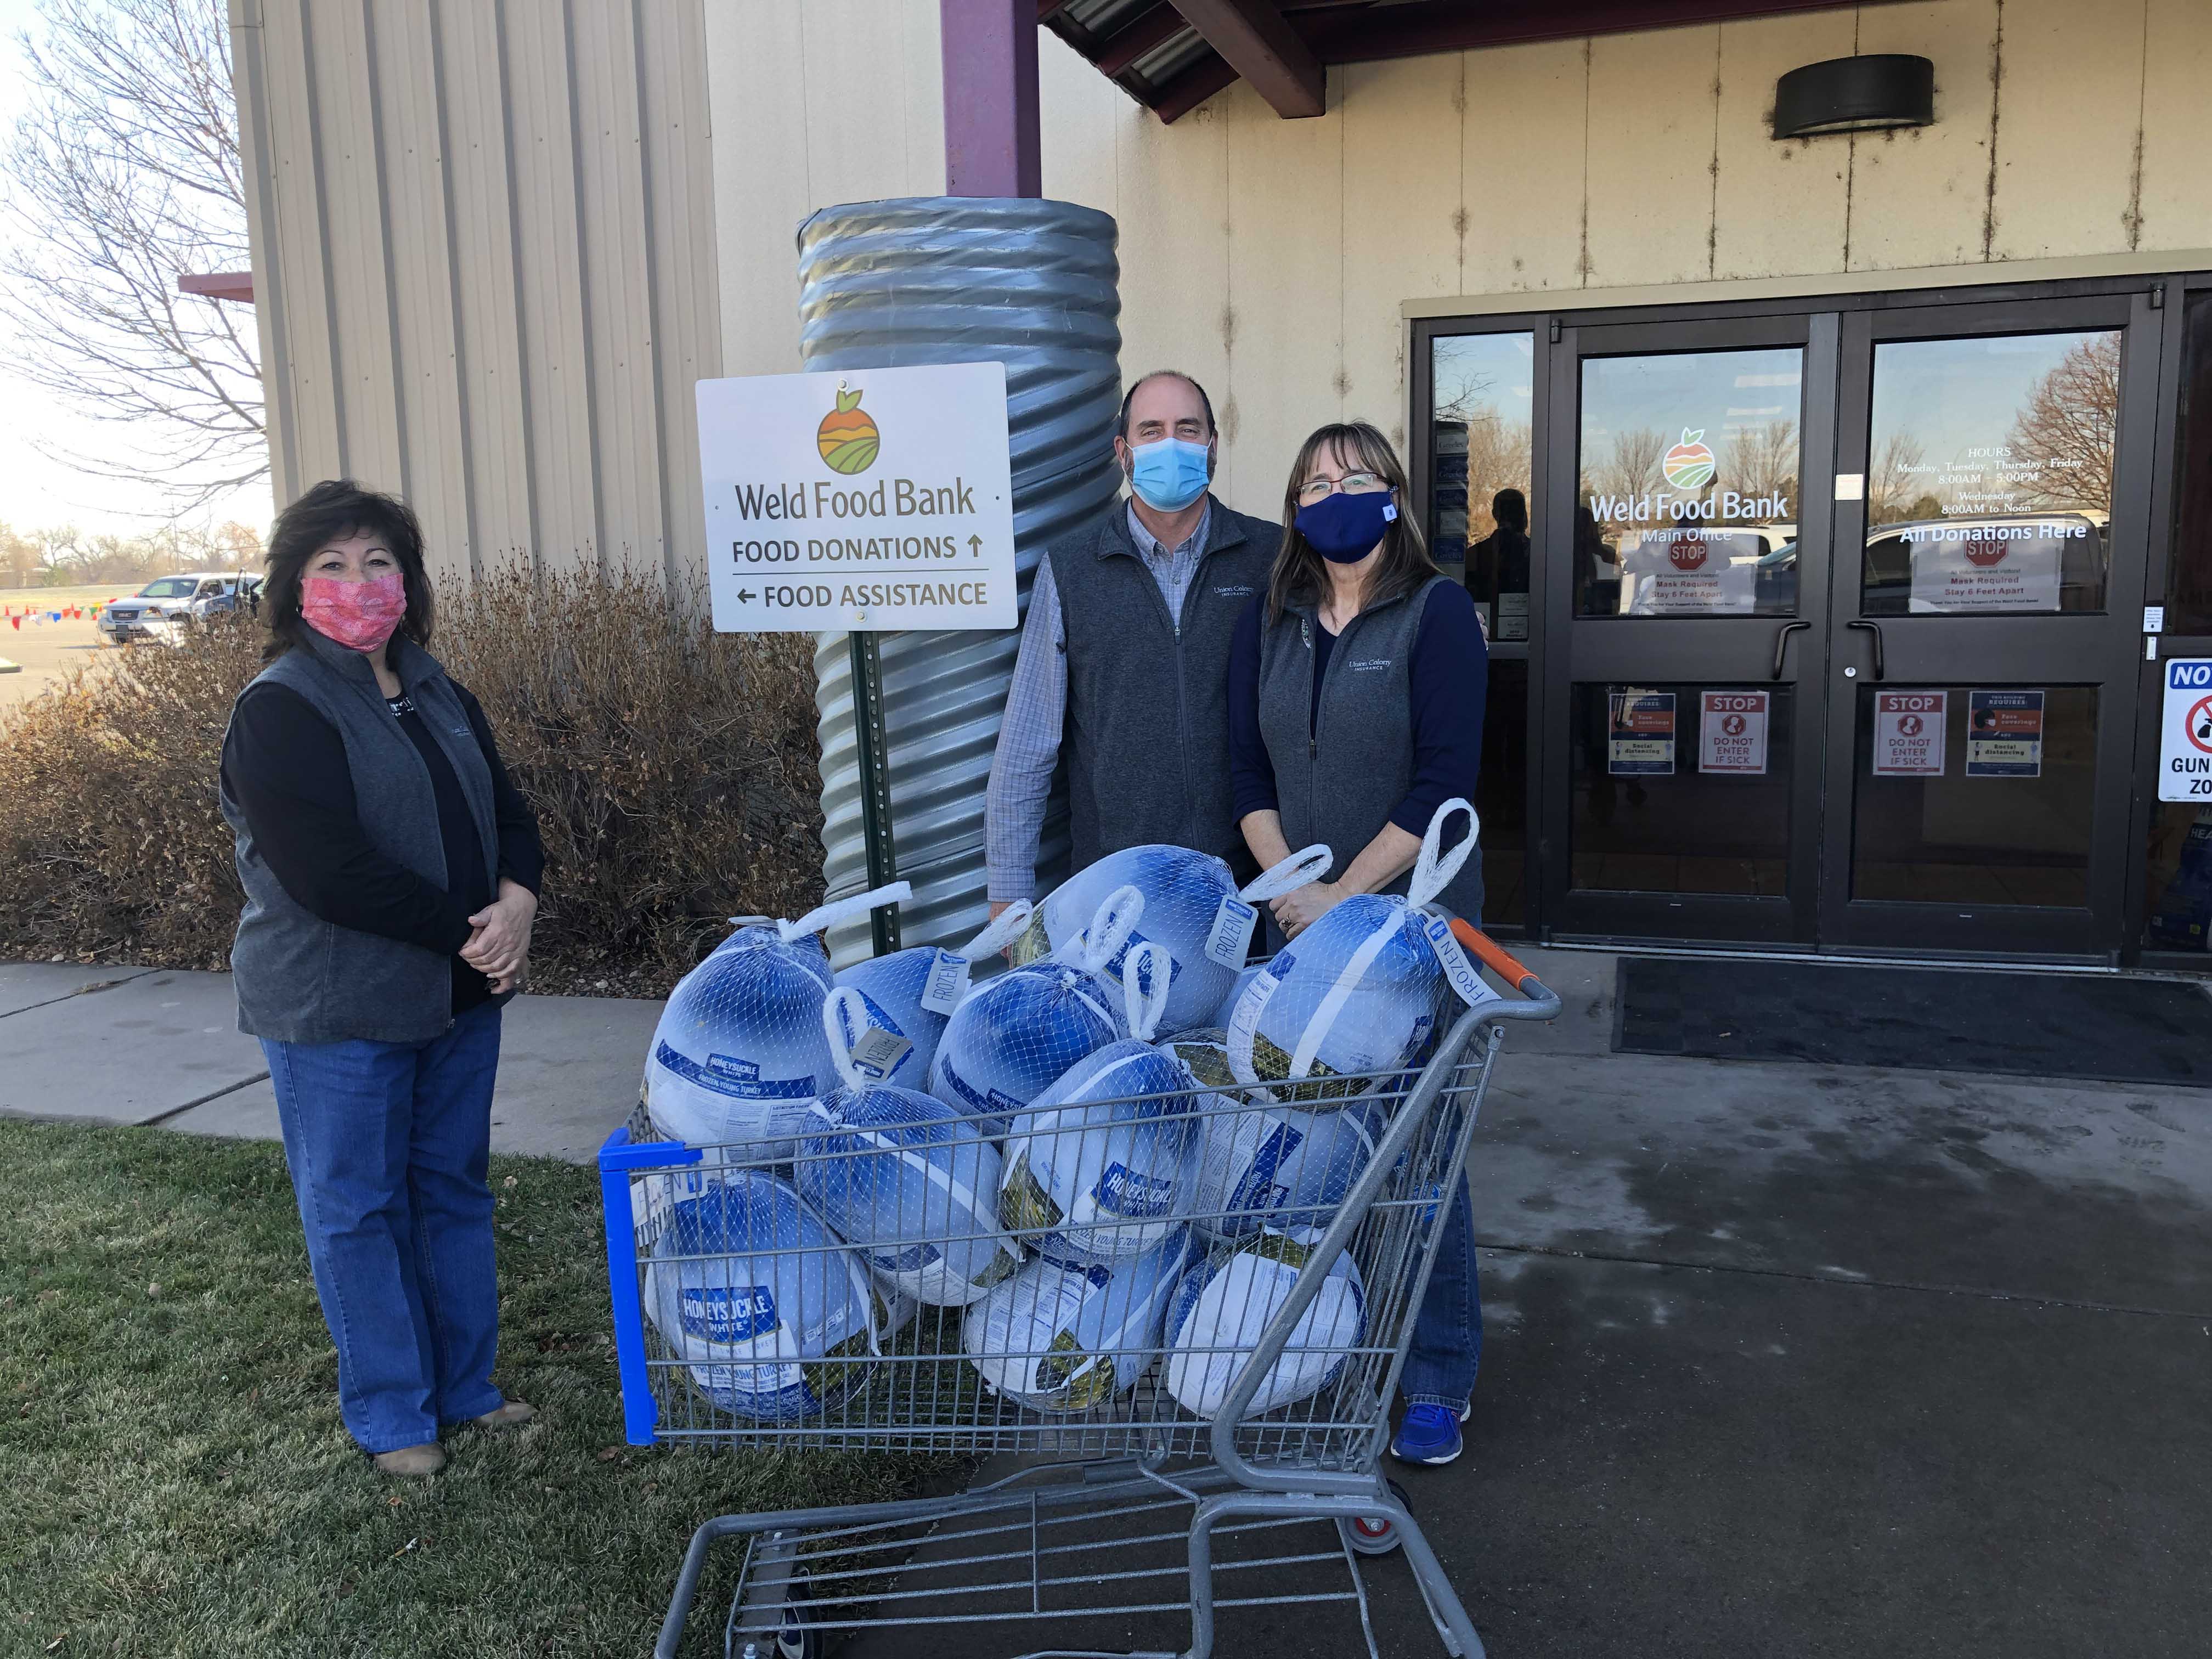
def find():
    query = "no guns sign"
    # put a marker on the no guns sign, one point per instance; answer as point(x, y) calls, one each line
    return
point(2185, 751)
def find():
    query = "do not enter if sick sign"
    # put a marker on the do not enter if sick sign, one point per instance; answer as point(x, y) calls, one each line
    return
point(865, 501)
point(2184, 750)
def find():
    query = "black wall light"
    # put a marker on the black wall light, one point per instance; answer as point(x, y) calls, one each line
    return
point(1854, 95)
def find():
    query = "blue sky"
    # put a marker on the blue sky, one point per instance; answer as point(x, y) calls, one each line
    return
point(34, 490)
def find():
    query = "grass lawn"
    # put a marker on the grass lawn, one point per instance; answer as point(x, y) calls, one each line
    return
point(174, 1479)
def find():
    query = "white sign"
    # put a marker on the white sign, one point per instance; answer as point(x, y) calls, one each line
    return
point(1908, 734)
point(863, 501)
point(1731, 732)
point(1512, 617)
point(1850, 486)
point(2184, 750)
point(1974, 565)
point(1692, 571)
point(2153, 619)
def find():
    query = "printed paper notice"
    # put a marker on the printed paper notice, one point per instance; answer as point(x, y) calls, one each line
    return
point(1908, 734)
point(1690, 572)
point(2004, 734)
point(861, 501)
point(1640, 738)
point(1964, 567)
point(1731, 732)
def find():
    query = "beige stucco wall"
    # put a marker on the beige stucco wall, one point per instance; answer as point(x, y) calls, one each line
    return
point(1271, 258)
point(483, 256)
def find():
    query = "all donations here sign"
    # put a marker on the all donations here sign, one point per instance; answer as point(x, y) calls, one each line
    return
point(864, 501)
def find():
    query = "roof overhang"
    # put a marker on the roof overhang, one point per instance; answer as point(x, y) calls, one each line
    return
point(1171, 57)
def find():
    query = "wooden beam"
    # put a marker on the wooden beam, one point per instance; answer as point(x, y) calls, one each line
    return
point(1254, 41)
point(990, 70)
point(1192, 88)
point(1433, 25)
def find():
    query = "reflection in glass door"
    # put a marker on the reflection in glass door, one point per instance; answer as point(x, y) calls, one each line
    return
point(1692, 573)
point(1983, 669)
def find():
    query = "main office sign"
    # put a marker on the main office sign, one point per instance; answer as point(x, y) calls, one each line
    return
point(865, 499)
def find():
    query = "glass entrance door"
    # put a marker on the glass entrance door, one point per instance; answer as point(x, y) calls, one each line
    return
point(1686, 640)
point(1992, 465)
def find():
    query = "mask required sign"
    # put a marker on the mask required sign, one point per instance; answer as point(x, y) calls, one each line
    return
point(866, 501)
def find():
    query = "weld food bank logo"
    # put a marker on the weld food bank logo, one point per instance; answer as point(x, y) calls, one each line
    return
point(847, 437)
point(1689, 465)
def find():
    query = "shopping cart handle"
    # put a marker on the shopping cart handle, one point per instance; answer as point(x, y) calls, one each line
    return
point(1492, 956)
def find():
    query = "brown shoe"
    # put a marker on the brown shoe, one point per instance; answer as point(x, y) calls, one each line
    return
point(426, 1459)
point(512, 1415)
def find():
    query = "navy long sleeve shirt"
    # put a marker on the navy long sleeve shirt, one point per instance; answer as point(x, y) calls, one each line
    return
point(1450, 676)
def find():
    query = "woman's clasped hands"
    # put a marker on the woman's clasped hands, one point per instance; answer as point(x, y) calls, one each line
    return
point(499, 949)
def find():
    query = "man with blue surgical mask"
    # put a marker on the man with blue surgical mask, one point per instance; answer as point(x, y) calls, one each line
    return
point(1124, 658)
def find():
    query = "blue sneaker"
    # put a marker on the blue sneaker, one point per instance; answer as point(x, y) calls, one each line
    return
point(1427, 1434)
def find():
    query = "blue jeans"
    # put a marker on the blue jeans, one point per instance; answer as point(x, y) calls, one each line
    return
point(390, 1146)
point(1447, 1347)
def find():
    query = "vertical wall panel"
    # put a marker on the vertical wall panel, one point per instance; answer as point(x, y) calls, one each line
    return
point(1650, 156)
point(763, 178)
point(425, 353)
point(2176, 197)
point(1753, 176)
point(2059, 178)
point(470, 78)
point(1523, 146)
point(485, 250)
point(679, 244)
point(355, 215)
point(1920, 196)
point(1401, 222)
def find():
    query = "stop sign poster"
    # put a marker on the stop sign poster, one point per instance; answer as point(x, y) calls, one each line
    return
point(1731, 732)
point(1908, 734)
point(2185, 751)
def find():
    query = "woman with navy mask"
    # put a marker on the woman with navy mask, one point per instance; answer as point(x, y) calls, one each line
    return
point(1355, 711)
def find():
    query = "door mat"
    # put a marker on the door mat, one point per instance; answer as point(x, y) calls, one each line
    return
point(2054, 1025)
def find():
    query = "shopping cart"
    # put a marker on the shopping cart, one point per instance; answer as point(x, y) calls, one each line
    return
point(1230, 1461)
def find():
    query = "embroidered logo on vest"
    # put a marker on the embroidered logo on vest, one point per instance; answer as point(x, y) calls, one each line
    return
point(1370, 665)
point(1240, 591)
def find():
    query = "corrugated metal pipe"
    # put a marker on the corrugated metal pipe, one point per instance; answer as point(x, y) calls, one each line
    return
point(958, 280)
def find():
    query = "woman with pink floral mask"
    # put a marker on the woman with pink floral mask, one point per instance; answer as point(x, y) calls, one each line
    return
point(390, 871)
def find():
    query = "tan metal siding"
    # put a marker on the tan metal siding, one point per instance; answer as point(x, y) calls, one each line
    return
point(1272, 258)
point(484, 259)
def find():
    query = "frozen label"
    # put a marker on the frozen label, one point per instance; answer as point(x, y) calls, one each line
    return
point(1457, 968)
point(1230, 936)
point(877, 1054)
point(946, 984)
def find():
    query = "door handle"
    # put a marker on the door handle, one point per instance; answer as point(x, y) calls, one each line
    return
point(1782, 644)
point(1874, 628)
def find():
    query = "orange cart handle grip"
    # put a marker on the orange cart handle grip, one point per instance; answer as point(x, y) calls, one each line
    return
point(1492, 956)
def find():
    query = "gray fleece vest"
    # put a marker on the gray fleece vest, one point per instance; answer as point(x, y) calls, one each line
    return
point(1146, 741)
point(1339, 776)
point(301, 979)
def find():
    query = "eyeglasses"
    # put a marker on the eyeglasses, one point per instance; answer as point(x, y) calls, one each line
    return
point(1351, 483)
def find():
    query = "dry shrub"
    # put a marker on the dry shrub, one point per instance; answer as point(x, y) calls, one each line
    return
point(674, 770)
point(109, 837)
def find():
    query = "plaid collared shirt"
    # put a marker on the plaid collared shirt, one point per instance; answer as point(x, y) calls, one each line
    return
point(1037, 710)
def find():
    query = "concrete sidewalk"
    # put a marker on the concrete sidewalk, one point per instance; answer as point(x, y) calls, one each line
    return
point(142, 1047)
point(1780, 1358)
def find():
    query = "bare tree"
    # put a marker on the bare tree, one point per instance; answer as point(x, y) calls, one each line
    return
point(1762, 460)
point(1632, 469)
point(1896, 482)
point(124, 174)
point(1498, 456)
point(2066, 428)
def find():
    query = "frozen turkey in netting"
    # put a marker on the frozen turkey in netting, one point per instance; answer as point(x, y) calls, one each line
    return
point(740, 1055)
point(912, 994)
point(1193, 910)
point(775, 1318)
point(902, 1179)
point(1065, 1336)
point(1280, 1166)
point(1227, 1300)
point(1097, 1169)
point(1361, 990)
point(1013, 1035)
